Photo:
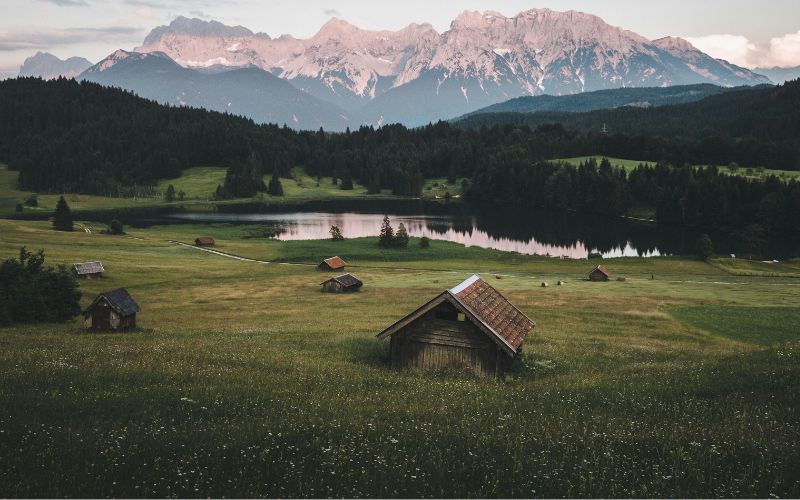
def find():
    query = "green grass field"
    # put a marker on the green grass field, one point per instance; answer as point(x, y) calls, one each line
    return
point(245, 380)
point(199, 184)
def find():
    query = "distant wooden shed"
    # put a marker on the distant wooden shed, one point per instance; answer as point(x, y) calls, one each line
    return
point(471, 327)
point(89, 270)
point(204, 241)
point(114, 311)
point(599, 273)
point(332, 264)
point(341, 284)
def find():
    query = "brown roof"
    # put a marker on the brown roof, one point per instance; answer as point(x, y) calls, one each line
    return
point(204, 240)
point(602, 269)
point(89, 268)
point(335, 262)
point(488, 309)
point(346, 280)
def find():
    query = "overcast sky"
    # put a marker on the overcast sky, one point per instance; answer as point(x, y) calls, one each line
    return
point(746, 32)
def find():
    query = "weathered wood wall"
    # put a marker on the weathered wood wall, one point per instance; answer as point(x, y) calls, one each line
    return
point(439, 341)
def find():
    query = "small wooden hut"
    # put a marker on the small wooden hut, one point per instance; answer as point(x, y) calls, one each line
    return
point(204, 241)
point(89, 270)
point(113, 311)
point(341, 284)
point(332, 264)
point(599, 273)
point(470, 327)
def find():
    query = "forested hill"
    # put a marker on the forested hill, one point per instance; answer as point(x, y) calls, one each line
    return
point(638, 97)
point(755, 125)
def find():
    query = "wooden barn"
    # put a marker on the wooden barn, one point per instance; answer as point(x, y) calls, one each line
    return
point(599, 273)
point(113, 311)
point(89, 270)
point(341, 284)
point(332, 264)
point(471, 327)
point(204, 241)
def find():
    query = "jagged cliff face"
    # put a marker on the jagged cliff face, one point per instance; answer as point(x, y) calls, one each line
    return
point(416, 74)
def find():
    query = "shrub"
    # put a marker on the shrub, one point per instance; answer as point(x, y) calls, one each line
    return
point(424, 242)
point(31, 201)
point(31, 293)
point(170, 194)
point(115, 227)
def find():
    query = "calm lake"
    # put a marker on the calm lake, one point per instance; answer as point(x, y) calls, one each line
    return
point(541, 233)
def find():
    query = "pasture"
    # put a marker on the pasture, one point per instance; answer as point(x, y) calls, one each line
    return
point(245, 380)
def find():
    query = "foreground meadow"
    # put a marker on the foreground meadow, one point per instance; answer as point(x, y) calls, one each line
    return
point(245, 380)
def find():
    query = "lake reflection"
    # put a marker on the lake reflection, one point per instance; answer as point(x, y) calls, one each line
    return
point(545, 233)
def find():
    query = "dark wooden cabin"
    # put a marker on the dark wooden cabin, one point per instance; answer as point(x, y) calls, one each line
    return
point(331, 264)
point(599, 273)
point(471, 327)
point(89, 270)
point(112, 311)
point(204, 241)
point(341, 284)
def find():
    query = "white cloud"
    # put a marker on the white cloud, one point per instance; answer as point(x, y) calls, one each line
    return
point(733, 48)
point(783, 51)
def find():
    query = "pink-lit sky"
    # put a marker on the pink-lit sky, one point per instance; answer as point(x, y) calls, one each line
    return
point(747, 32)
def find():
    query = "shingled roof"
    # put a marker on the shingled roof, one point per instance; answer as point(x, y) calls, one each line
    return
point(88, 268)
point(120, 300)
point(346, 280)
point(486, 307)
point(334, 262)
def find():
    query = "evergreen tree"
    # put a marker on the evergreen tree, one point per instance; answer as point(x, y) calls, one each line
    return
point(115, 227)
point(704, 247)
point(62, 220)
point(424, 242)
point(386, 236)
point(275, 187)
point(347, 181)
point(401, 238)
point(170, 194)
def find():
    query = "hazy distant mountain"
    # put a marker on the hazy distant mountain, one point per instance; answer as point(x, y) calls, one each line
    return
point(48, 66)
point(644, 97)
point(780, 75)
point(247, 91)
point(416, 75)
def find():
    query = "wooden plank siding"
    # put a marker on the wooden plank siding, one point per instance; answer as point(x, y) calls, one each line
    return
point(434, 343)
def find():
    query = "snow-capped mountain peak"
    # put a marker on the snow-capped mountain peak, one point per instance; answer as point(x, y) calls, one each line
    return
point(484, 58)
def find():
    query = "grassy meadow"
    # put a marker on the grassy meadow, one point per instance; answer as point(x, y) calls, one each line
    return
point(629, 165)
point(245, 380)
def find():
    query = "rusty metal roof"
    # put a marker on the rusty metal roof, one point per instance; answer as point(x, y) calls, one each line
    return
point(346, 280)
point(334, 262)
point(600, 268)
point(486, 307)
point(88, 268)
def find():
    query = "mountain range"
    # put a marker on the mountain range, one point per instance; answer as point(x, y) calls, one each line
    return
point(348, 76)
point(47, 66)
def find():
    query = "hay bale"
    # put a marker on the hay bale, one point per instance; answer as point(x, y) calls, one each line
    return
point(621, 278)
point(544, 284)
point(498, 277)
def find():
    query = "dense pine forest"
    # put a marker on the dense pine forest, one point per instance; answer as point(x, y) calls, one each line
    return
point(752, 127)
point(64, 136)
